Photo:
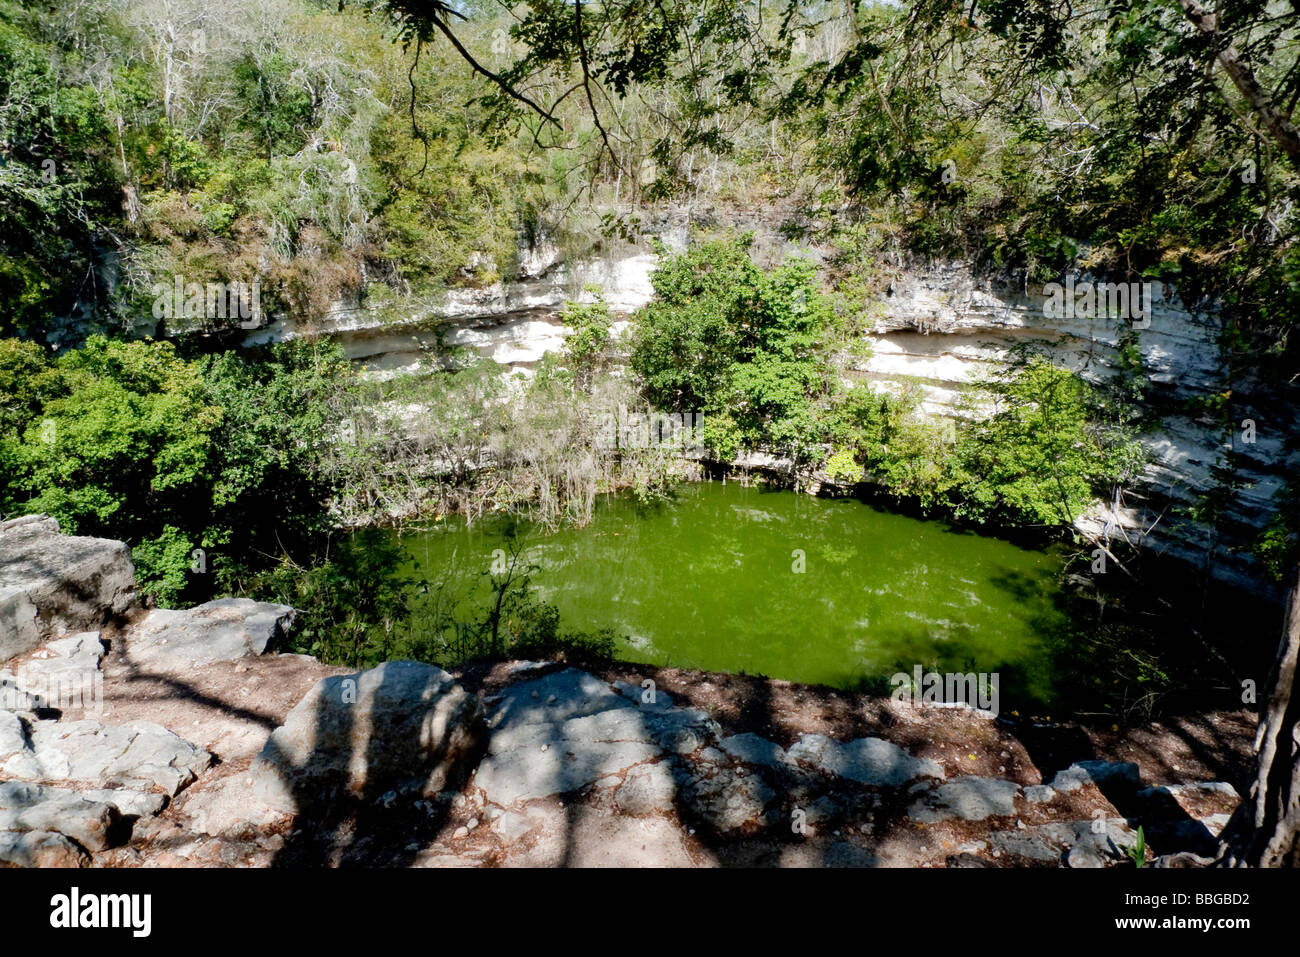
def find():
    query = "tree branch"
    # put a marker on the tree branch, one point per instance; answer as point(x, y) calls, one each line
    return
point(485, 72)
point(1275, 122)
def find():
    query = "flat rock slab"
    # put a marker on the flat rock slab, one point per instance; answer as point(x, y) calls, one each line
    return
point(870, 761)
point(64, 675)
point(51, 583)
point(139, 755)
point(588, 837)
point(601, 840)
point(221, 630)
point(538, 760)
point(565, 731)
point(1039, 794)
point(644, 697)
point(732, 799)
point(128, 801)
point(970, 798)
point(84, 650)
point(1197, 799)
point(751, 748)
point(31, 807)
point(1076, 844)
point(647, 788)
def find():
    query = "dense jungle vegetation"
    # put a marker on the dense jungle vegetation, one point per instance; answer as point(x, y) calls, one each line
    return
point(378, 153)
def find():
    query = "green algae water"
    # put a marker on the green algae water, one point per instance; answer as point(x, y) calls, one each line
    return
point(780, 584)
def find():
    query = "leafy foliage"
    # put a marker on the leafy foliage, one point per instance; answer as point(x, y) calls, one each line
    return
point(130, 440)
point(1040, 456)
point(742, 345)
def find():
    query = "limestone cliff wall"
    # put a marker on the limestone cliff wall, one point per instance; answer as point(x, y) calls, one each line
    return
point(939, 325)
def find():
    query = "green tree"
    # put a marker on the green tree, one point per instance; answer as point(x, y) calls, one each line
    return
point(742, 345)
point(121, 447)
point(1039, 458)
point(584, 349)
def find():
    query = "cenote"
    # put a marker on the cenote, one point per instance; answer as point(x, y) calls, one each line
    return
point(780, 584)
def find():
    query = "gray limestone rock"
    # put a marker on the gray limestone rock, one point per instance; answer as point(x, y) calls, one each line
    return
point(564, 731)
point(1122, 774)
point(731, 800)
point(400, 726)
point(221, 630)
point(539, 759)
point(753, 749)
point(64, 675)
point(639, 696)
point(128, 801)
point(970, 798)
point(139, 755)
point(40, 849)
point(32, 807)
point(646, 789)
point(1039, 793)
point(870, 761)
point(50, 583)
point(556, 697)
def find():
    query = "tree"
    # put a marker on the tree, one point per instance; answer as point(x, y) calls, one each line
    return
point(1040, 456)
point(1265, 829)
point(584, 349)
point(741, 345)
point(121, 446)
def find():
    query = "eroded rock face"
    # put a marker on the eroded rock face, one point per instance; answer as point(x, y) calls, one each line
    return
point(51, 583)
point(1100, 842)
point(63, 676)
point(76, 786)
point(40, 849)
point(970, 798)
point(402, 726)
point(1107, 775)
point(870, 761)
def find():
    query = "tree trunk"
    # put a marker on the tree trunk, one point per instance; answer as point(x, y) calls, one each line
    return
point(1278, 125)
point(1265, 830)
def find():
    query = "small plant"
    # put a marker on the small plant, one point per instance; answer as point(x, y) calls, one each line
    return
point(842, 466)
point(1138, 852)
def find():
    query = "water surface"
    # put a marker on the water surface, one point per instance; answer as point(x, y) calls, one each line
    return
point(776, 583)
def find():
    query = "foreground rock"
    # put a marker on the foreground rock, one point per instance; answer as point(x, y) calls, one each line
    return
point(221, 630)
point(969, 798)
point(63, 676)
point(52, 583)
point(32, 807)
point(563, 732)
point(403, 728)
point(138, 755)
point(40, 849)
